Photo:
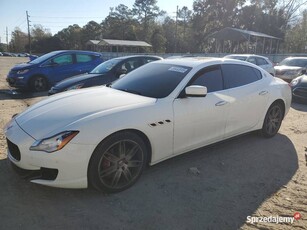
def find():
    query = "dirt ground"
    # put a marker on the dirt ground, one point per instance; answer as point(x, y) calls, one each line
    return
point(245, 176)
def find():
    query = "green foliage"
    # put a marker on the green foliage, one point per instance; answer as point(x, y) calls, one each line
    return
point(296, 37)
point(187, 32)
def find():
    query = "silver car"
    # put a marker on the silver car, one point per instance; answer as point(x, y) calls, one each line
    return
point(258, 60)
point(291, 68)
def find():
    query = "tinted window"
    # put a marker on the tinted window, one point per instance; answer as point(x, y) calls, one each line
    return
point(84, 57)
point(63, 59)
point(252, 60)
point(261, 61)
point(209, 77)
point(238, 75)
point(155, 80)
point(130, 65)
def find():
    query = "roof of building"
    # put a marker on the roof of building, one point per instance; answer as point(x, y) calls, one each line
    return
point(235, 34)
point(113, 42)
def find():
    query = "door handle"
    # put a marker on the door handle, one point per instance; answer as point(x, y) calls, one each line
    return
point(221, 103)
point(263, 93)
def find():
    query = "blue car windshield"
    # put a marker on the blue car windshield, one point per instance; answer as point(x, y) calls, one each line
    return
point(105, 66)
point(44, 57)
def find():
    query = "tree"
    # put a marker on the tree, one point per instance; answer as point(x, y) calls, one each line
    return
point(70, 37)
point(158, 41)
point(119, 24)
point(146, 11)
point(91, 31)
point(212, 15)
point(19, 41)
point(296, 39)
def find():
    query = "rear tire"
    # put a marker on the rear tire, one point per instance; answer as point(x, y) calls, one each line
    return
point(272, 120)
point(38, 84)
point(117, 162)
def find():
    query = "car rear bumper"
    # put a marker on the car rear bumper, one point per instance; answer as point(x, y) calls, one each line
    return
point(66, 168)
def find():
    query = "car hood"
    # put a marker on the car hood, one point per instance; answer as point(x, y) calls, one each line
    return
point(285, 67)
point(23, 66)
point(75, 80)
point(56, 113)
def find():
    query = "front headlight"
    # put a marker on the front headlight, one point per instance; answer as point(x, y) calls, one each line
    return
point(22, 71)
point(54, 143)
point(294, 82)
point(78, 86)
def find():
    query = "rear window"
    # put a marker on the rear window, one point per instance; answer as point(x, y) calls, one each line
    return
point(239, 75)
point(261, 61)
point(84, 58)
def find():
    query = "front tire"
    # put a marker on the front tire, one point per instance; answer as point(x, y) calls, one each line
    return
point(38, 84)
point(117, 162)
point(272, 120)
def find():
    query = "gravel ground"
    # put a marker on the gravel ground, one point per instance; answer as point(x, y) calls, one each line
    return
point(215, 187)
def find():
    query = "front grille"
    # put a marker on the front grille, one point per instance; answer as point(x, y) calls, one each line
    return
point(13, 149)
point(300, 92)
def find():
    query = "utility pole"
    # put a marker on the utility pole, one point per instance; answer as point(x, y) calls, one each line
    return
point(7, 40)
point(29, 35)
point(176, 30)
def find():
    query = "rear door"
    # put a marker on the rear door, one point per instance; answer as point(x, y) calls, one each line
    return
point(85, 62)
point(247, 96)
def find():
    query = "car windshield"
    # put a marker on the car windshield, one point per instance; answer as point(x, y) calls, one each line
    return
point(156, 80)
point(294, 62)
point(43, 58)
point(105, 66)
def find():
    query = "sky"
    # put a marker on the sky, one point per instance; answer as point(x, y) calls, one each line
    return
point(58, 14)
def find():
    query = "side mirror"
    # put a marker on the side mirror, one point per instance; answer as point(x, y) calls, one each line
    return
point(196, 91)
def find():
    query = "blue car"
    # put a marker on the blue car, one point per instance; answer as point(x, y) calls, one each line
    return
point(45, 71)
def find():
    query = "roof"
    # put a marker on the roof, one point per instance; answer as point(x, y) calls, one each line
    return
point(112, 42)
point(235, 34)
point(189, 62)
point(93, 42)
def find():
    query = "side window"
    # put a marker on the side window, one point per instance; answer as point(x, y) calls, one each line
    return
point(129, 65)
point(84, 58)
point(238, 75)
point(210, 77)
point(63, 59)
point(261, 61)
point(252, 60)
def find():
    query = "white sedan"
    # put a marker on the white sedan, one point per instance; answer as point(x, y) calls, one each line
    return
point(105, 136)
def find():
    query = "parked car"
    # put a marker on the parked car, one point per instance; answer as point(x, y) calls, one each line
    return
point(45, 71)
point(104, 73)
point(299, 89)
point(105, 136)
point(261, 61)
point(291, 68)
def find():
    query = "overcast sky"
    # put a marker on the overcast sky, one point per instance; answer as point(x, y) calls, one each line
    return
point(58, 14)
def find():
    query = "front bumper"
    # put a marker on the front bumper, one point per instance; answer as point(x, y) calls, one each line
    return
point(300, 93)
point(71, 162)
point(16, 82)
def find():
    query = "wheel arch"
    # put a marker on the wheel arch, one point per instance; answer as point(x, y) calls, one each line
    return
point(37, 75)
point(282, 103)
point(141, 134)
